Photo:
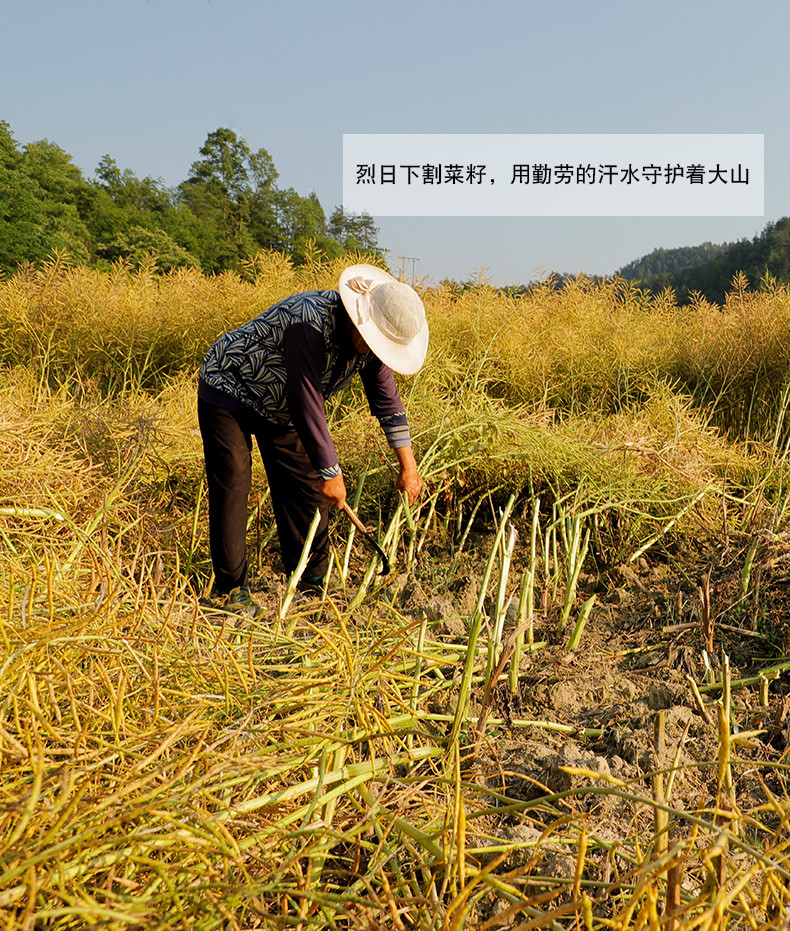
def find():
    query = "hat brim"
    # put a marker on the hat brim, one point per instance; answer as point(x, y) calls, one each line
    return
point(404, 358)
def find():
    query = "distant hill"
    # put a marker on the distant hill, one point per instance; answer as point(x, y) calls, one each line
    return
point(671, 261)
point(709, 268)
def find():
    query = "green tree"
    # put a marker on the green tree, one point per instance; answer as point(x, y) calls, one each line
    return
point(146, 196)
point(136, 244)
point(261, 200)
point(299, 220)
point(20, 205)
point(356, 231)
point(225, 187)
point(232, 192)
point(41, 191)
point(778, 259)
point(130, 216)
point(63, 194)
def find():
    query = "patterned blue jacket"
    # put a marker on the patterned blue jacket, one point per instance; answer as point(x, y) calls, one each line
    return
point(286, 361)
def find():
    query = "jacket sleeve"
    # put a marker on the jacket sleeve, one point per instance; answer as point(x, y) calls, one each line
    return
point(385, 403)
point(304, 351)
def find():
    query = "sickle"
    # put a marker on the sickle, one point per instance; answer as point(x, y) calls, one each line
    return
point(385, 563)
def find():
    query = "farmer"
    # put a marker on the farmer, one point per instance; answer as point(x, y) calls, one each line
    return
point(268, 379)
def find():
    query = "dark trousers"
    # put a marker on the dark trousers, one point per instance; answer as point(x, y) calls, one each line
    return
point(294, 485)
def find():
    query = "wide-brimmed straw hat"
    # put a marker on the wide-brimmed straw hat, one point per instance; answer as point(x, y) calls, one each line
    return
point(389, 316)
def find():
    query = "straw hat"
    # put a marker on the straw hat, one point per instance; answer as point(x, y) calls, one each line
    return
point(389, 316)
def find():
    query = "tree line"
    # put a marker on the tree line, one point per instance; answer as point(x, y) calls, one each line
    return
point(670, 261)
point(710, 269)
point(228, 208)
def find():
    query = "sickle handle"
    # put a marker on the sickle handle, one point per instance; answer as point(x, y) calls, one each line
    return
point(385, 563)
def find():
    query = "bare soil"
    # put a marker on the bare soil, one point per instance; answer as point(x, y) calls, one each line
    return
point(648, 638)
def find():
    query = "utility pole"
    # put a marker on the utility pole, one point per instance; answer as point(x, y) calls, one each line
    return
point(403, 259)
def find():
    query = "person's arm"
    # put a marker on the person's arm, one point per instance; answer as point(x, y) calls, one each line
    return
point(385, 403)
point(304, 351)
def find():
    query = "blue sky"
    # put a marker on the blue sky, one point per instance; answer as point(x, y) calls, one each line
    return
point(145, 81)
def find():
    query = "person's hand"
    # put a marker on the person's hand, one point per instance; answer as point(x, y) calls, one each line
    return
point(334, 490)
point(409, 478)
point(411, 483)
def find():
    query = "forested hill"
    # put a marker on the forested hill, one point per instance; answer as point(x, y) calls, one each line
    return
point(710, 269)
point(227, 209)
point(670, 261)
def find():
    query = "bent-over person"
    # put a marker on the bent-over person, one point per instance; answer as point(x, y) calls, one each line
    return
point(268, 379)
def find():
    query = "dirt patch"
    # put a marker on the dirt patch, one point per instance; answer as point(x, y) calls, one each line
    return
point(622, 706)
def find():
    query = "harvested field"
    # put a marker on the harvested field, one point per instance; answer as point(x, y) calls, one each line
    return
point(566, 707)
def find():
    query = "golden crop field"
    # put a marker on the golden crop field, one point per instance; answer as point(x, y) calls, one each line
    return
point(566, 706)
